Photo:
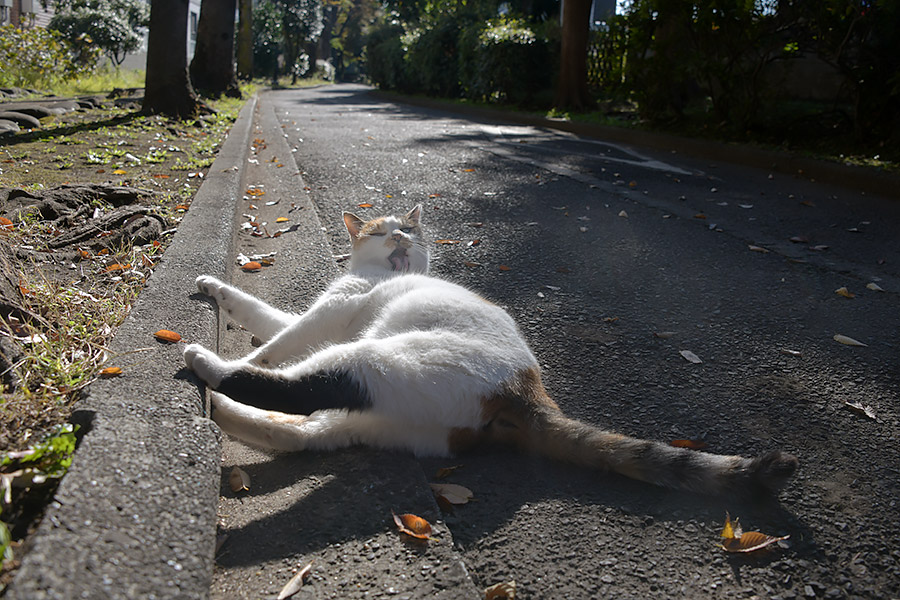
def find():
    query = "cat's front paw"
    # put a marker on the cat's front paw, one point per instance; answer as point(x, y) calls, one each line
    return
point(209, 285)
point(206, 364)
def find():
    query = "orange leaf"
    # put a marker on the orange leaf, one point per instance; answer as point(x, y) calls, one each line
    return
point(690, 444)
point(111, 372)
point(182, 207)
point(471, 264)
point(83, 254)
point(699, 216)
point(161, 176)
point(365, 205)
point(413, 526)
point(468, 170)
point(251, 266)
point(255, 192)
point(117, 267)
point(164, 335)
point(119, 172)
point(842, 291)
point(446, 241)
point(5, 223)
point(282, 220)
point(505, 268)
point(735, 540)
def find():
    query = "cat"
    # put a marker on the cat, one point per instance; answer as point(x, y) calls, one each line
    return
point(391, 357)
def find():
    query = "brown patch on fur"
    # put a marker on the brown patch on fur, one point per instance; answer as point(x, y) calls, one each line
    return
point(285, 419)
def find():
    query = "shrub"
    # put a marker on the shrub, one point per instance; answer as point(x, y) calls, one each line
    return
point(40, 58)
point(431, 58)
point(384, 57)
point(505, 60)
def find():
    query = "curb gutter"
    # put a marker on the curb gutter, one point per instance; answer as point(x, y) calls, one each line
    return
point(146, 444)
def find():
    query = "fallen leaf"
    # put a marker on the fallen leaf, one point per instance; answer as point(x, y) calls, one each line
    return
point(239, 480)
point(165, 335)
point(505, 268)
point(689, 444)
point(663, 335)
point(623, 214)
point(468, 170)
point(735, 540)
point(119, 172)
point(251, 266)
point(758, 249)
point(83, 254)
point(791, 352)
point(563, 270)
point(699, 216)
point(471, 264)
point(799, 239)
point(282, 220)
point(475, 224)
point(445, 472)
point(501, 591)
point(255, 192)
point(632, 184)
point(182, 207)
point(161, 176)
point(413, 526)
point(117, 267)
point(5, 223)
point(452, 493)
point(111, 372)
point(819, 248)
point(848, 341)
point(861, 409)
point(874, 287)
point(473, 243)
point(690, 356)
point(842, 291)
point(293, 586)
point(447, 241)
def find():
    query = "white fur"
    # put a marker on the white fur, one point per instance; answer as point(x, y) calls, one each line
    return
point(427, 351)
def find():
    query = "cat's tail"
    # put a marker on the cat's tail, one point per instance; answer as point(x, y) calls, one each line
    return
point(554, 435)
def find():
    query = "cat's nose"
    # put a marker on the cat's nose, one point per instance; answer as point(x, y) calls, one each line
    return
point(397, 235)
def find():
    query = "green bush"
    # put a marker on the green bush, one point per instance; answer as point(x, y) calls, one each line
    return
point(505, 60)
point(384, 57)
point(431, 63)
point(41, 58)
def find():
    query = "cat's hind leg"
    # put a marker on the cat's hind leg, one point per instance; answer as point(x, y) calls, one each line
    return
point(261, 319)
point(324, 430)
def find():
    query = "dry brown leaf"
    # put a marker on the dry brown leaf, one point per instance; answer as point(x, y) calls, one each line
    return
point(471, 264)
point(413, 526)
point(5, 223)
point(365, 205)
point(251, 266)
point(860, 408)
point(623, 214)
point(117, 267)
point(689, 444)
point(452, 493)
point(505, 268)
point(110, 372)
point(735, 540)
point(282, 220)
point(874, 287)
point(501, 591)
point(690, 356)
point(699, 216)
point(165, 335)
point(447, 241)
point(848, 341)
point(293, 586)
point(445, 472)
point(238, 480)
point(843, 291)
point(758, 249)
point(119, 172)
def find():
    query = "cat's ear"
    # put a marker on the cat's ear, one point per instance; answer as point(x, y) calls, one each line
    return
point(415, 214)
point(354, 224)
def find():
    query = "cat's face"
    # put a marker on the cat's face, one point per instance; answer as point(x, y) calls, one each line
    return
point(393, 243)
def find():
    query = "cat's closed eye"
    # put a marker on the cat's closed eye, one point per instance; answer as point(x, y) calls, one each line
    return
point(377, 233)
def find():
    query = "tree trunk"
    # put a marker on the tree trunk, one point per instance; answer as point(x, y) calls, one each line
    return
point(245, 40)
point(167, 88)
point(212, 69)
point(572, 88)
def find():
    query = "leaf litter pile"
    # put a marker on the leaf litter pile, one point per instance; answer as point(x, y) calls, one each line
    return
point(88, 203)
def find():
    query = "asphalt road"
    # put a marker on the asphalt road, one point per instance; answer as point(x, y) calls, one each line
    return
point(593, 247)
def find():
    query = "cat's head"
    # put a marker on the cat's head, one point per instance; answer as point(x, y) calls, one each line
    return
point(392, 243)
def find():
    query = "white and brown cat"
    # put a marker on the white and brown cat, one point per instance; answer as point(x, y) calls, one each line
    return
point(391, 357)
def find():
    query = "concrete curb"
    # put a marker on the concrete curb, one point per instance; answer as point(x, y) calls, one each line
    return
point(864, 179)
point(147, 447)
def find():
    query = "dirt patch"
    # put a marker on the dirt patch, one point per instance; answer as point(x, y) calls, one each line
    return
point(88, 203)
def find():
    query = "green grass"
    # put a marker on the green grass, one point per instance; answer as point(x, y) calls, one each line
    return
point(102, 81)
